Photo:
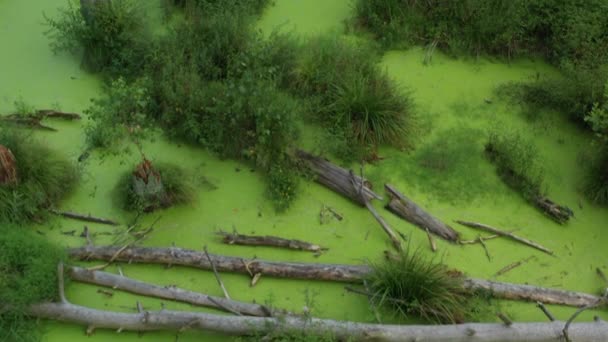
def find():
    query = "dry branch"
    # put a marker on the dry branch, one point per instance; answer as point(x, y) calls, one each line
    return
point(312, 271)
point(271, 241)
point(410, 211)
point(134, 286)
point(505, 234)
point(511, 266)
point(86, 218)
point(217, 275)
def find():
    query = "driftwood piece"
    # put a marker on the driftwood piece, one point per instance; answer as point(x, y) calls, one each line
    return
point(511, 266)
point(505, 234)
point(27, 121)
point(217, 275)
point(387, 229)
point(55, 114)
point(134, 286)
point(410, 211)
point(312, 271)
point(86, 218)
point(341, 330)
point(270, 241)
point(559, 213)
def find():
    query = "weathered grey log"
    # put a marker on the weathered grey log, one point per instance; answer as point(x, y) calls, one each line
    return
point(86, 218)
point(410, 211)
point(268, 240)
point(243, 325)
point(311, 271)
point(510, 235)
point(168, 292)
point(339, 179)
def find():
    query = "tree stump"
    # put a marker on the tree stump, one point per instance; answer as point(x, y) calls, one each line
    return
point(8, 167)
point(148, 187)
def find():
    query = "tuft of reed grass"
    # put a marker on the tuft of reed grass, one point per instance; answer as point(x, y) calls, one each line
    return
point(44, 177)
point(411, 285)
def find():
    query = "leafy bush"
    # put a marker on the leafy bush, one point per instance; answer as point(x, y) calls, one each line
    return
point(120, 114)
point(517, 162)
point(414, 286)
point(44, 177)
point(355, 100)
point(596, 187)
point(112, 34)
point(28, 275)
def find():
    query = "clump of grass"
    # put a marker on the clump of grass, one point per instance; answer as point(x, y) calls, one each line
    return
point(354, 99)
point(28, 265)
point(411, 285)
point(517, 162)
point(174, 187)
point(596, 180)
point(44, 177)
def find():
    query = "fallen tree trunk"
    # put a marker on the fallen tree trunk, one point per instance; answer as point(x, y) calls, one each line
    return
point(55, 114)
point(309, 271)
point(560, 214)
point(410, 211)
point(242, 325)
point(30, 122)
point(270, 241)
point(169, 292)
point(86, 218)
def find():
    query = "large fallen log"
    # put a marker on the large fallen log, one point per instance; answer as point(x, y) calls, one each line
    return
point(311, 271)
point(410, 211)
point(269, 241)
point(168, 292)
point(342, 330)
point(349, 185)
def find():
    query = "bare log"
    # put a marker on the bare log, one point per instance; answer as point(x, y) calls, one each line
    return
point(55, 114)
point(27, 121)
point(270, 241)
point(86, 218)
point(410, 211)
point(506, 234)
point(559, 213)
point(312, 271)
point(122, 283)
point(387, 229)
point(342, 330)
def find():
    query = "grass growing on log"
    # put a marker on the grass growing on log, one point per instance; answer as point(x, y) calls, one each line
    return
point(517, 162)
point(28, 266)
point(414, 286)
point(44, 177)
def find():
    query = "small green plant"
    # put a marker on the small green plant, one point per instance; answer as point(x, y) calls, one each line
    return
point(596, 182)
point(23, 108)
point(413, 286)
point(28, 265)
point(43, 177)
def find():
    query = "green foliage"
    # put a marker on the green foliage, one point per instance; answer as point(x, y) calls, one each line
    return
point(44, 177)
point(23, 108)
point(411, 285)
point(119, 115)
point(28, 275)
point(355, 100)
point(596, 181)
point(517, 162)
point(111, 33)
point(177, 188)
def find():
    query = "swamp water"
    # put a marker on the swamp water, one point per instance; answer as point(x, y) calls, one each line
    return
point(447, 174)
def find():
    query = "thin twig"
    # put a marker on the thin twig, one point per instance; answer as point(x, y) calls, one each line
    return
point(602, 275)
point(506, 320)
point(431, 240)
point(512, 266)
point(485, 248)
point(61, 283)
point(599, 302)
point(227, 308)
point(546, 311)
point(217, 275)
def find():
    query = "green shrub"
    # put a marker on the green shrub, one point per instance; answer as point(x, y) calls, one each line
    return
point(413, 286)
point(517, 162)
point(120, 114)
point(354, 99)
point(44, 178)
point(112, 34)
point(28, 275)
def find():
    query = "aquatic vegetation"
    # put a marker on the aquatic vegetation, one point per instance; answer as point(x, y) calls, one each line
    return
point(411, 285)
point(596, 187)
point(154, 186)
point(41, 178)
point(112, 34)
point(29, 275)
point(357, 103)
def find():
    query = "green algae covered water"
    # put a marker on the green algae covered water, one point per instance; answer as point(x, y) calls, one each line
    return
point(454, 118)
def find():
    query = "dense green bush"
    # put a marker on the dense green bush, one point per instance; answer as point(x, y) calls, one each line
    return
point(358, 104)
point(596, 187)
point(29, 275)
point(111, 33)
point(44, 177)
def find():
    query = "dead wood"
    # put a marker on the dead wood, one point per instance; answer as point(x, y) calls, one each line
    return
point(506, 234)
point(546, 311)
point(410, 211)
point(560, 214)
point(387, 229)
point(511, 266)
point(217, 275)
point(86, 218)
point(313, 271)
point(270, 241)
point(134, 286)
point(29, 122)
point(55, 114)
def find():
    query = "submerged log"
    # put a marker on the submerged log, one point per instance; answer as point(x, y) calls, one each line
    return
point(410, 211)
point(342, 330)
point(270, 241)
point(560, 214)
point(86, 218)
point(28, 121)
point(310, 271)
point(122, 283)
